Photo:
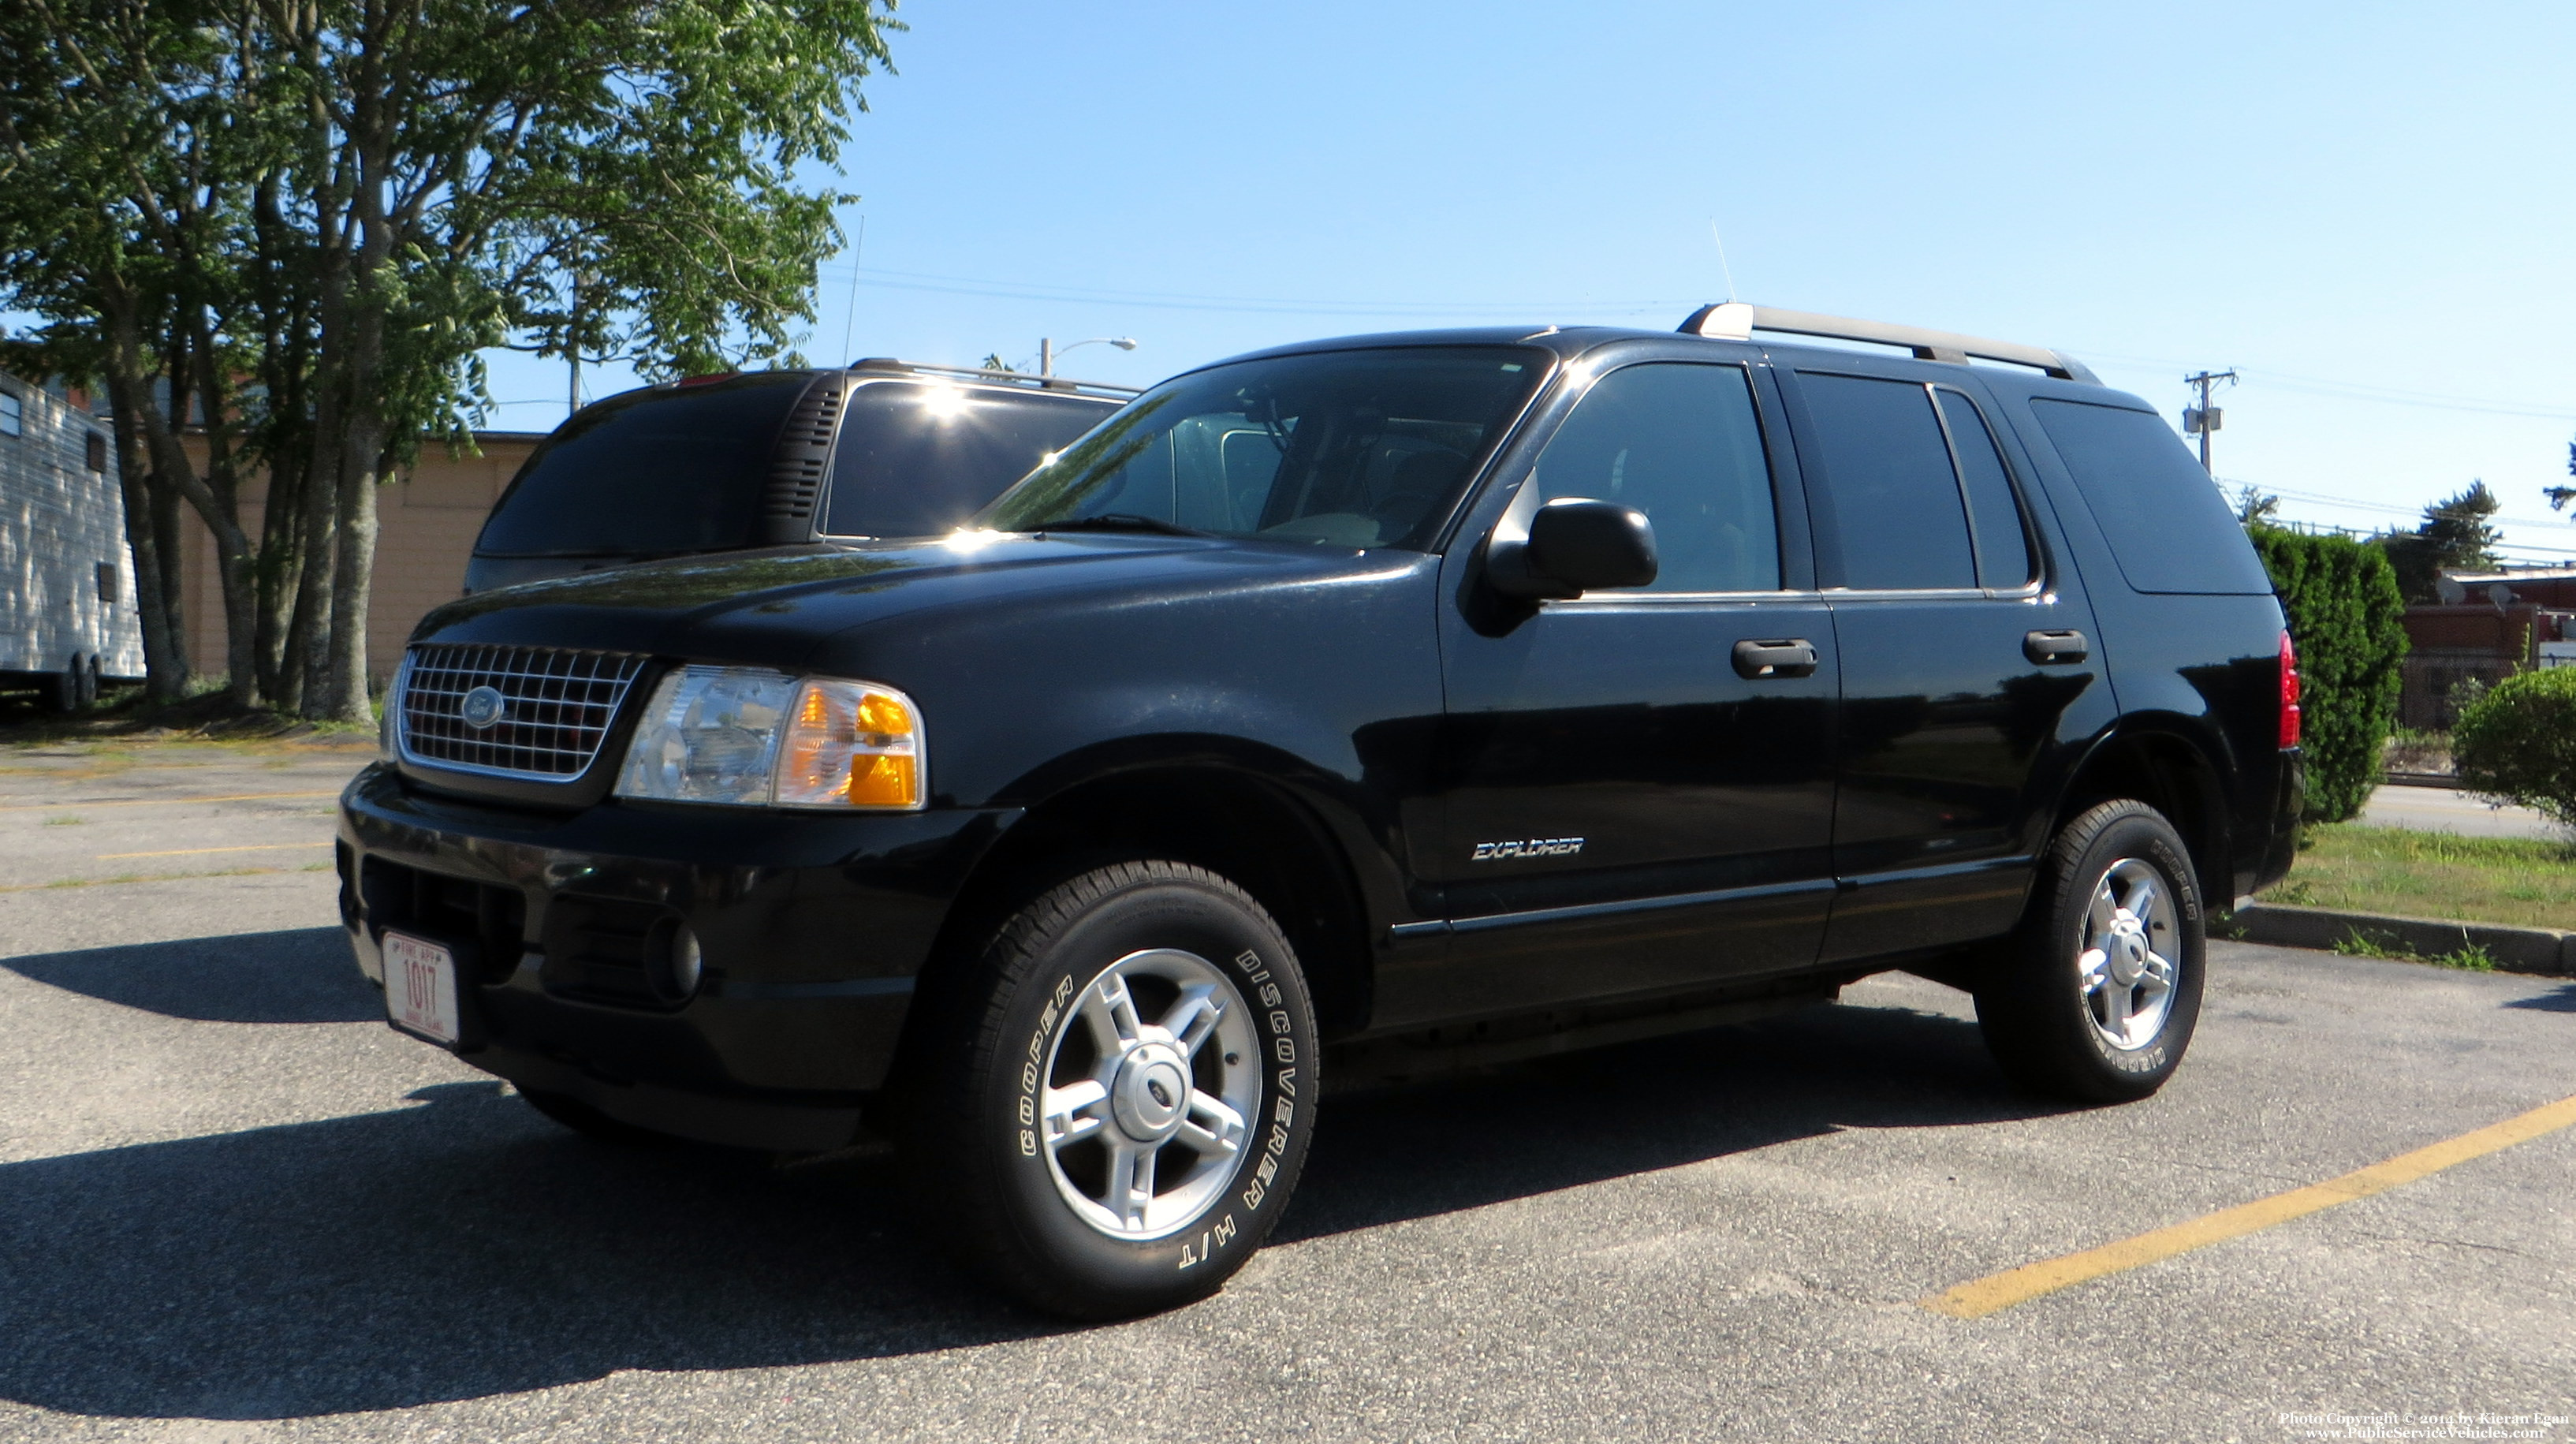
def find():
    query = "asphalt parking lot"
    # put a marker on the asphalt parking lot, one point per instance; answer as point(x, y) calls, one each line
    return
point(235, 1206)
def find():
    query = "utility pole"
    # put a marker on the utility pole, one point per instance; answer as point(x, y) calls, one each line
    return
point(2203, 419)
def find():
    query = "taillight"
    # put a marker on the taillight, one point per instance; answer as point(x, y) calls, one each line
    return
point(2289, 693)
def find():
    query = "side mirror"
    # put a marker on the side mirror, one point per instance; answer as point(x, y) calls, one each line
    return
point(1575, 545)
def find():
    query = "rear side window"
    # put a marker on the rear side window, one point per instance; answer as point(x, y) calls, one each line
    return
point(1895, 499)
point(2169, 528)
point(650, 473)
point(919, 458)
point(1680, 443)
point(2003, 545)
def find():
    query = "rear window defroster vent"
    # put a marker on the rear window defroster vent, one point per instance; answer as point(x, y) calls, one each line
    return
point(796, 471)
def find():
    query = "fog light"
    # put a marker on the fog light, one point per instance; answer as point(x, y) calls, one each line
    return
point(681, 965)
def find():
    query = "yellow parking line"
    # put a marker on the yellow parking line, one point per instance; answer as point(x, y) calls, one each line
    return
point(160, 801)
point(193, 851)
point(1976, 1299)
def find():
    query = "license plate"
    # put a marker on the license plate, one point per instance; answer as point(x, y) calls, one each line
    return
point(420, 988)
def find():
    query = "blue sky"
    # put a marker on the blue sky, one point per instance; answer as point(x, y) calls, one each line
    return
point(2369, 210)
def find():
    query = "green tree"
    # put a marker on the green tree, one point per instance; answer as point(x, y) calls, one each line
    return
point(2454, 537)
point(2256, 507)
point(2517, 742)
point(2347, 620)
point(299, 224)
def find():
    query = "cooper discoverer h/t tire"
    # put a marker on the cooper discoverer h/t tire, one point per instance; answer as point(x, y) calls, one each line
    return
point(1106, 1113)
point(2097, 997)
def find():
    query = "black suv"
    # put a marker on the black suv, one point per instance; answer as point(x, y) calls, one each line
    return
point(776, 458)
point(1358, 708)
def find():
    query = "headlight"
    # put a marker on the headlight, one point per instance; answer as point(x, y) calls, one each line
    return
point(754, 737)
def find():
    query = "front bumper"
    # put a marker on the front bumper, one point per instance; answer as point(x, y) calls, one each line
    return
point(813, 929)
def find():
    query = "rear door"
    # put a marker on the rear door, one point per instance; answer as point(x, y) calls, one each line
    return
point(1626, 811)
point(1963, 662)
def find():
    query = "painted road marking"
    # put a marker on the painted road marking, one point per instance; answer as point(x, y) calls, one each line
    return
point(193, 851)
point(162, 801)
point(1980, 1297)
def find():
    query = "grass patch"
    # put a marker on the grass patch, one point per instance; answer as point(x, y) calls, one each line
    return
point(2524, 882)
point(2468, 958)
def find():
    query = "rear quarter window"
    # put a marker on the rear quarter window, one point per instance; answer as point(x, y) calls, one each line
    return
point(2169, 529)
point(649, 473)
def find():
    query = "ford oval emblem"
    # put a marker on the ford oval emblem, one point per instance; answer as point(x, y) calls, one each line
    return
point(481, 708)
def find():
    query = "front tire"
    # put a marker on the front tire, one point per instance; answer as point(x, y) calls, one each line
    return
point(1106, 1113)
point(2097, 998)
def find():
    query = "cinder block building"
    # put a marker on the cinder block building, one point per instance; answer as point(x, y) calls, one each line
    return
point(426, 525)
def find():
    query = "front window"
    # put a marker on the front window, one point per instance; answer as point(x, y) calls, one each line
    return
point(1339, 448)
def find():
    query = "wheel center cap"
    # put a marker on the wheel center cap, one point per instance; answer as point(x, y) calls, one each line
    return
point(1152, 1094)
point(2128, 950)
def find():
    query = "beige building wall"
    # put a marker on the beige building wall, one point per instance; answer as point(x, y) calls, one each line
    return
point(426, 525)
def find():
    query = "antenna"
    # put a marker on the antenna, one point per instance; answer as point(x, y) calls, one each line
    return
point(850, 317)
point(1723, 268)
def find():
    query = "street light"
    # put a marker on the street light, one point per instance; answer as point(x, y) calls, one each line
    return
point(1047, 351)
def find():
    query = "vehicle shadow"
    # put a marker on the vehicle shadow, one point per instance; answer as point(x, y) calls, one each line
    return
point(297, 975)
point(2562, 1001)
point(1385, 1156)
point(467, 1248)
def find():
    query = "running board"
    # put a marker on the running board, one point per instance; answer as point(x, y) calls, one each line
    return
point(1432, 1052)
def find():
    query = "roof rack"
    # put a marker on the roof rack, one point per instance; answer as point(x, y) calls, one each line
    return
point(1738, 320)
point(987, 374)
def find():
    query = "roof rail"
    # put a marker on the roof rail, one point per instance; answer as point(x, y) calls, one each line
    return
point(987, 374)
point(1738, 320)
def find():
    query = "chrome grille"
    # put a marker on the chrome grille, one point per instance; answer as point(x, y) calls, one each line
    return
point(556, 707)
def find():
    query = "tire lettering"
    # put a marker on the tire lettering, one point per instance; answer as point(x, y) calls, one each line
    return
point(1288, 1081)
point(1028, 1078)
point(1270, 995)
point(1224, 1233)
point(1028, 1110)
point(1278, 1022)
point(1287, 1113)
point(1284, 1049)
point(1028, 1144)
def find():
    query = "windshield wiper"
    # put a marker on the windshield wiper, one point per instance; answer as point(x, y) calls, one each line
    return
point(1121, 521)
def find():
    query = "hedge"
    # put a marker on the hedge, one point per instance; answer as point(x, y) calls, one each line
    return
point(2347, 619)
point(2518, 742)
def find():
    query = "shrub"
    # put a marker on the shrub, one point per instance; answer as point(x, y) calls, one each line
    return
point(2517, 743)
point(2347, 618)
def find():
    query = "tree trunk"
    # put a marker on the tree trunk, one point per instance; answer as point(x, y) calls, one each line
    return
point(156, 603)
point(281, 571)
point(344, 695)
point(233, 560)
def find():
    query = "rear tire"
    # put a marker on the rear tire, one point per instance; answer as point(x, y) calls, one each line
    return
point(2097, 997)
point(1105, 1111)
point(63, 688)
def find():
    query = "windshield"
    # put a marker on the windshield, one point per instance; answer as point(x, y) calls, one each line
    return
point(919, 458)
point(649, 473)
point(1341, 448)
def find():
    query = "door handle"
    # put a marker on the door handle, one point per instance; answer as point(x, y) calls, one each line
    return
point(1761, 661)
point(2055, 648)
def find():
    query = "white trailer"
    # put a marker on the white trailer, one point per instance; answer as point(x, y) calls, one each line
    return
point(67, 616)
